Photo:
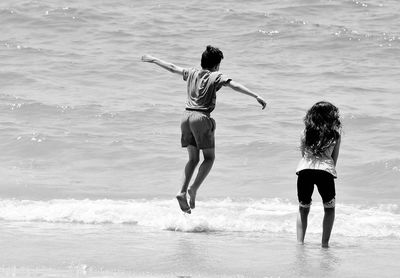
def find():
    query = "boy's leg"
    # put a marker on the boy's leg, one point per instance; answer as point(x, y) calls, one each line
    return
point(327, 224)
point(204, 169)
point(302, 219)
point(193, 153)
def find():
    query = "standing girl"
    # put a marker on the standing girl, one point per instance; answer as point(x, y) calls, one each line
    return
point(320, 150)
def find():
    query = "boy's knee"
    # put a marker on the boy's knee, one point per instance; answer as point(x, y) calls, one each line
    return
point(210, 158)
point(209, 155)
point(194, 160)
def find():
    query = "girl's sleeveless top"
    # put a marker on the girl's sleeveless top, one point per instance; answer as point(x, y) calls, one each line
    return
point(323, 162)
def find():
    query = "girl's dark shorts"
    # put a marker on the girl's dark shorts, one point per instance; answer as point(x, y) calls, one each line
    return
point(198, 130)
point(323, 180)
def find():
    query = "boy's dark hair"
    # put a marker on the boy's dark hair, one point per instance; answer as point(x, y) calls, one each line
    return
point(211, 57)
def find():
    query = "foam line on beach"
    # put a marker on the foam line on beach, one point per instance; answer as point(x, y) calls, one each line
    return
point(223, 215)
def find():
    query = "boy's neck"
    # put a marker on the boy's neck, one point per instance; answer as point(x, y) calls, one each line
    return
point(216, 68)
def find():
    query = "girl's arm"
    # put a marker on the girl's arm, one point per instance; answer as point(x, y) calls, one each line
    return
point(165, 65)
point(242, 89)
point(335, 153)
point(303, 143)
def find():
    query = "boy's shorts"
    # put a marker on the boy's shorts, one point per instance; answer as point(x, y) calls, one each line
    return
point(197, 130)
point(325, 184)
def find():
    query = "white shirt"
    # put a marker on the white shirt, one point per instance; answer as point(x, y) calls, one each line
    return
point(323, 162)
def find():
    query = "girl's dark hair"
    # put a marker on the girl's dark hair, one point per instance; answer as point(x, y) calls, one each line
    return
point(322, 127)
point(211, 57)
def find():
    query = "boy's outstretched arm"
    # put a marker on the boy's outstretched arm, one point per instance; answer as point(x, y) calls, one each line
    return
point(165, 65)
point(242, 89)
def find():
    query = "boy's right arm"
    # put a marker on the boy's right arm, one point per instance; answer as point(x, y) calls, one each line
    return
point(165, 65)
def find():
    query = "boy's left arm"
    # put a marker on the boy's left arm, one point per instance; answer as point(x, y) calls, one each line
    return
point(163, 64)
point(242, 89)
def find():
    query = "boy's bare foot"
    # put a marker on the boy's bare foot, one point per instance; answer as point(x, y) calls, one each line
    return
point(192, 198)
point(181, 197)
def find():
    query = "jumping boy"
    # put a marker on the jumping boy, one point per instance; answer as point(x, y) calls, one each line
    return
point(197, 126)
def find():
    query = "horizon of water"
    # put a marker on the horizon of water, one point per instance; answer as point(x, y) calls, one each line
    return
point(90, 141)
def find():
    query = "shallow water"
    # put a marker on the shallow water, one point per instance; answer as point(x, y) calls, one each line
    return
point(90, 150)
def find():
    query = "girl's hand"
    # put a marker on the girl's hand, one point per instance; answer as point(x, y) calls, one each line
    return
point(147, 58)
point(261, 101)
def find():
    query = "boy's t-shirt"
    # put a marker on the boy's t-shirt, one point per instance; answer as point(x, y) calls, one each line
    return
point(202, 86)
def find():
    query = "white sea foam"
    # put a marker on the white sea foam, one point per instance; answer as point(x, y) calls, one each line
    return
point(82, 117)
point(267, 215)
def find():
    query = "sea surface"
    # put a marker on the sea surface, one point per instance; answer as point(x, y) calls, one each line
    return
point(90, 156)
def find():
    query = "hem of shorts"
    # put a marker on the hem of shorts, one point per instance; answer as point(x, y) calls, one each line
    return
point(200, 148)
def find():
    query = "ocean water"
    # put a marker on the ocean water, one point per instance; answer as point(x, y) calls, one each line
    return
point(90, 138)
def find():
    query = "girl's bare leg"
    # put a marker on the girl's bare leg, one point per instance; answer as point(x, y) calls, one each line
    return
point(327, 224)
point(302, 219)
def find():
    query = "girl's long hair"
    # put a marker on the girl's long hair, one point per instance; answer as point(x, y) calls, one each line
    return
point(322, 128)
